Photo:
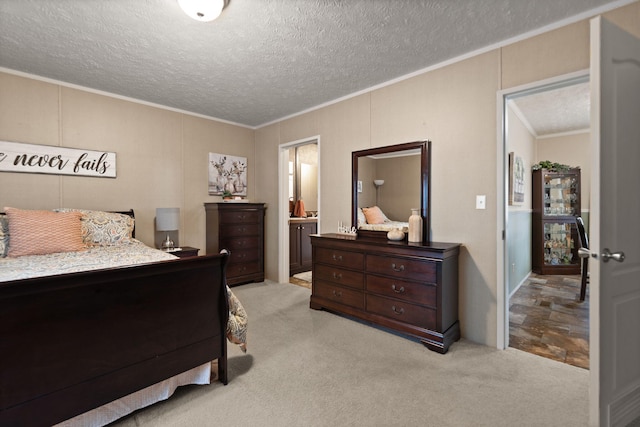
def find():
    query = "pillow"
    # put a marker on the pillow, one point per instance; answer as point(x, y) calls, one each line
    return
point(374, 215)
point(104, 228)
point(43, 232)
point(4, 235)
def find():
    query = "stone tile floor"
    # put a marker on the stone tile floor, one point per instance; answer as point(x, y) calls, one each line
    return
point(546, 318)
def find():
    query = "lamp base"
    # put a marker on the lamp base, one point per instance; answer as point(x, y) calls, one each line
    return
point(168, 244)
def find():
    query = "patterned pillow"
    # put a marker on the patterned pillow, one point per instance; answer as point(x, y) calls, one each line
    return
point(104, 228)
point(4, 235)
point(43, 232)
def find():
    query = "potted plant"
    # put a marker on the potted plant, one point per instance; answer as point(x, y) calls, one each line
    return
point(226, 195)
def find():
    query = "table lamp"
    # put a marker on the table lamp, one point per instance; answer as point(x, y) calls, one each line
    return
point(167, 219)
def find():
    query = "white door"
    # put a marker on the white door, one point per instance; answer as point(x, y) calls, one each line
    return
point(615, 215)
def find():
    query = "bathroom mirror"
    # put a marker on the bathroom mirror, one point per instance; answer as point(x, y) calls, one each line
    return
point(395, 178)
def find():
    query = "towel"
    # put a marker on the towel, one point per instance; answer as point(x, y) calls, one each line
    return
point(298, 210)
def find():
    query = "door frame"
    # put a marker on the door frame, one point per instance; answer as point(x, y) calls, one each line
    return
point(283, 202)
point(502, 201)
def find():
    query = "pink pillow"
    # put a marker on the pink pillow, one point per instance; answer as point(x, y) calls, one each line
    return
point(373, 215)
point(34, 232)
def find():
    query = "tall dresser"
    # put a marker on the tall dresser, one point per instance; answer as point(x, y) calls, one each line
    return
point(239, 228)
point(407, 287)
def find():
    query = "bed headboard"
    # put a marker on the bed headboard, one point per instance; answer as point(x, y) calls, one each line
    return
point(132, 215)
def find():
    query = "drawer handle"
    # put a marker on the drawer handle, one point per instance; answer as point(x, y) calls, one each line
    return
point(401, 268)
point(337, 294)
point(337, 257)
point(397, 311)
point(337, 276)
point(397, 290)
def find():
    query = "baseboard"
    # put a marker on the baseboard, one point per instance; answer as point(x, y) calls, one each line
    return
point(520, 284)
point(625, 409)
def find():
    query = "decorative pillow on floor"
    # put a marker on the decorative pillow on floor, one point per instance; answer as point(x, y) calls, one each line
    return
point(36, 232)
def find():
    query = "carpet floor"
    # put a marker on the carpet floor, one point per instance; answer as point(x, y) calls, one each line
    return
point(313, 368)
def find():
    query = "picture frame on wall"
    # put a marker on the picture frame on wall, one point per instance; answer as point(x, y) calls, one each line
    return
point(516, 179)
point(227, 174)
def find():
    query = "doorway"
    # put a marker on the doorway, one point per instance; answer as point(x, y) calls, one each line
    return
point(542, 315)
point(299, 202)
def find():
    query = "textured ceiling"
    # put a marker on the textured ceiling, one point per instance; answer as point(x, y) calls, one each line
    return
point(261, 60)
point(556, 111)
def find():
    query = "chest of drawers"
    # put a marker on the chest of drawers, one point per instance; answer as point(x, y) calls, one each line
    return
point(407, 287)
point(239, 228)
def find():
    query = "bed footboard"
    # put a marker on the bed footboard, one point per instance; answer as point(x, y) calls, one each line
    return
point(73, 342)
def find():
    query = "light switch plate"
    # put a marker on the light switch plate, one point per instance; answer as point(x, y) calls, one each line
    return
point(481, 202)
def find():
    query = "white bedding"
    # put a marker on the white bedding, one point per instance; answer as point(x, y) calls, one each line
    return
point(94, 258)
point(147, 396)
point(386, 226)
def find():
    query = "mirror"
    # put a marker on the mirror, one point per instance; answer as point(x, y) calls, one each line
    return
point(395, 178)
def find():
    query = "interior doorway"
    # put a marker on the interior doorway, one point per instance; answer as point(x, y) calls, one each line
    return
point(533, 131)
point(299, 204)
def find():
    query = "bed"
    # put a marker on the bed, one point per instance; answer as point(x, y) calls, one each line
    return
point(373, 219)
point(85, 342)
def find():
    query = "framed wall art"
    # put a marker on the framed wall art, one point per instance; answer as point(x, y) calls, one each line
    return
point(516, 179)
point(227, 174)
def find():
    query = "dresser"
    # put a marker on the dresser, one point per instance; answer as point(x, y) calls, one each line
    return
point(410, 288)
point(239, 228)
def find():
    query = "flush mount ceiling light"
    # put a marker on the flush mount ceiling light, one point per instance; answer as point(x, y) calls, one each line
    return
point(203, 10)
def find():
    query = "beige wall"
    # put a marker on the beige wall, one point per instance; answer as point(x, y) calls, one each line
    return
point(161, 155)
point(455, 107)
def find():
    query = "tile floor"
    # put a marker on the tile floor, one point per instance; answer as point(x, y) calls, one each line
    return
point(546, 318)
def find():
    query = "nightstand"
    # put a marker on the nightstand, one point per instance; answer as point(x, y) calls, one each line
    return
point(186, 252)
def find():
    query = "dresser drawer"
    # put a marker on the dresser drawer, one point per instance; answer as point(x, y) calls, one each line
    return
point(238, 243)
point(339, 276)
point(338, 294)
point(244, 255)
point(241, 269)
point(417, 293)
point(404, 268)
point(402, 311)
point(341, 258)
point(236, 230)
point(241, 217)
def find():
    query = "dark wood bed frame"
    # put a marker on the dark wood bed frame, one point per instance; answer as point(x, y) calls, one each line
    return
point(73, 342)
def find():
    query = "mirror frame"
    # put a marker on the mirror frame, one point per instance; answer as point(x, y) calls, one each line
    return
point(425, 178)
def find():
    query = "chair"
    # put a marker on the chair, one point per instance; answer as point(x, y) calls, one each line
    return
point(584, 243)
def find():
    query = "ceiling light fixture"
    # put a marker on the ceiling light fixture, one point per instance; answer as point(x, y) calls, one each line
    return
point(203, 10)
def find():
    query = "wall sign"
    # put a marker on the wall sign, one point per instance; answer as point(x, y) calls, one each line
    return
point(49, 159)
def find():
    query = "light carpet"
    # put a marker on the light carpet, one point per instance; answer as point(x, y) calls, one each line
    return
point(312, 368)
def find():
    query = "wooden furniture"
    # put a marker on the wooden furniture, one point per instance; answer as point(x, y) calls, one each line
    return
point(239, 228)
point(556, 204)
point(185, 252)
point(300, 230)
point(73, 342)
point(407, 287)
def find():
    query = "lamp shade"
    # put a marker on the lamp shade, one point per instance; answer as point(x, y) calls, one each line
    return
point(378, 182)
point(167, 219)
